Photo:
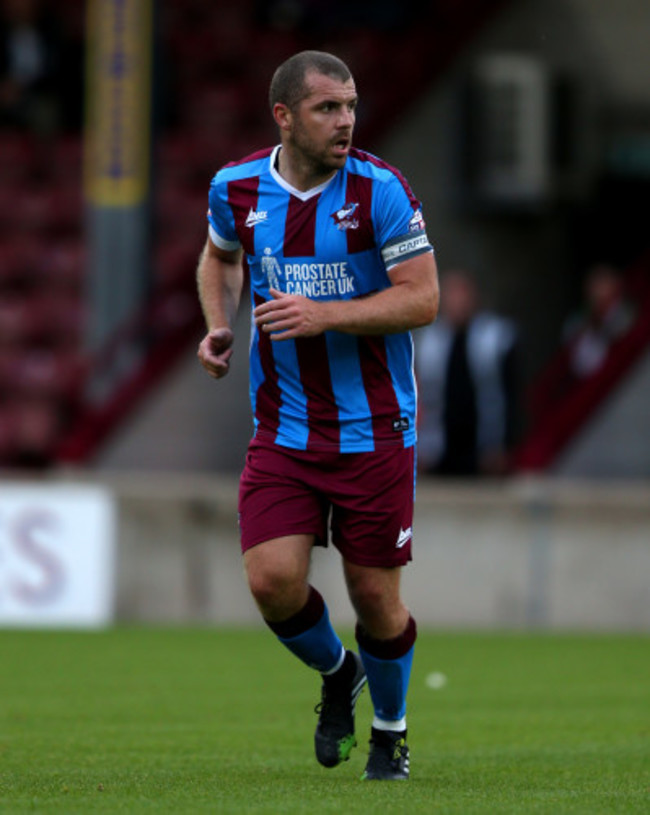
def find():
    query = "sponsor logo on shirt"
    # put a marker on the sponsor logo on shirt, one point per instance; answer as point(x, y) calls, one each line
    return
point(271, 268)
point(401, 424)
point(314, 280)
point(318, 280)
point(345, 218)
point(255, 217)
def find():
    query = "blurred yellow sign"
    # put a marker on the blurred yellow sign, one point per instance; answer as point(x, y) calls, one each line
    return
point(118, 101)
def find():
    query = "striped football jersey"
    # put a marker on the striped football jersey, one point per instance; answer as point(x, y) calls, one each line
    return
point(336, 241)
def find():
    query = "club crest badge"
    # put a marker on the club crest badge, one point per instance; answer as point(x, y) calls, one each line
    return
point(347, 217)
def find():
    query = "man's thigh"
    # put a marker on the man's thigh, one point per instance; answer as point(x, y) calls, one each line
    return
point(372, 516)
point(276, 499)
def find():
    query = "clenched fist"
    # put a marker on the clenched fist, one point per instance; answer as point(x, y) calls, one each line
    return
point(215, 351)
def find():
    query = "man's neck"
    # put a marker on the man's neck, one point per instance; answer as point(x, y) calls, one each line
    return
point(299, 174)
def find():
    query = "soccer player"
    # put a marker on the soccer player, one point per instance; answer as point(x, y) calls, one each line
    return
point(340, 270)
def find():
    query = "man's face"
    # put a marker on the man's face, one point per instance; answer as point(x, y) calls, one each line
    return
point(323, 121)
point(459, 298)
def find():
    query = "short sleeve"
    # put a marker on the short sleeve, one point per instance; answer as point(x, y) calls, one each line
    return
point(220, 217)
point(400, 227)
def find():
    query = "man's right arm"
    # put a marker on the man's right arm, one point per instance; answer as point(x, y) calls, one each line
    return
point(220, 278)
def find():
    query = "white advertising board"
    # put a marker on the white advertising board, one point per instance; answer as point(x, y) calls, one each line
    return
point(57, 555)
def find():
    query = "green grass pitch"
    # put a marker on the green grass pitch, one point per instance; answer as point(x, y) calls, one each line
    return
point(139, 720)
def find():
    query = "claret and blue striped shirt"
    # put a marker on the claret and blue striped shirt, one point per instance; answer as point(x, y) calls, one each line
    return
point(336, 241)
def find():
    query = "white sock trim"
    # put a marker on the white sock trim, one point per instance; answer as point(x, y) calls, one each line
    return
point(337, 666)
point(383, 724)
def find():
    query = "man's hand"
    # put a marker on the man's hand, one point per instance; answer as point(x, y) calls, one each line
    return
point(215, 351)
point(287, 316)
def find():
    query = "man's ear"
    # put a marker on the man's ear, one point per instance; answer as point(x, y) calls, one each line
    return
point(282, 115)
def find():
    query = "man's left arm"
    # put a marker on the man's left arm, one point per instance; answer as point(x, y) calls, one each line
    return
point(409, 302)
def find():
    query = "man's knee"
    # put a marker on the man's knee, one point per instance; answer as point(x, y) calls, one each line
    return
point(277, 578)
point(269, 584)
point(376, 599)
point(373, 587)
point(368, 594)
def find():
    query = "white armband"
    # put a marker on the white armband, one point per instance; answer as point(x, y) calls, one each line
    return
point(405, 247)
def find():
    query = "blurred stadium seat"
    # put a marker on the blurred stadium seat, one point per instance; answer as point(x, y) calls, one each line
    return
point(216, 58)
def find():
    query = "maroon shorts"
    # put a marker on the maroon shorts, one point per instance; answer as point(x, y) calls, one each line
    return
point(366, 497)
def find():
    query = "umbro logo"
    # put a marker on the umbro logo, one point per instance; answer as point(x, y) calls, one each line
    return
point(404, 537)
point(255, 217)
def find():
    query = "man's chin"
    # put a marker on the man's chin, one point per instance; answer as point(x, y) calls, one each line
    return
point(337, 160)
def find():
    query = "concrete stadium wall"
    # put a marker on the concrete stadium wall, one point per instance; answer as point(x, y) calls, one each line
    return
point(616, 442)
point(523, 554)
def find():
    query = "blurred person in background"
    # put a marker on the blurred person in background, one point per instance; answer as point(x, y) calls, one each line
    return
point(588, 338)
point(341, 269)
point(606, 316)
point(30, 63)
point(467, 383)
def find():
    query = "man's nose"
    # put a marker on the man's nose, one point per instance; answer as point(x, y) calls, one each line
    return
point(346, 117)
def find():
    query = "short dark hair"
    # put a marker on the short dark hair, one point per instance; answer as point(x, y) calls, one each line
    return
point(288, 83)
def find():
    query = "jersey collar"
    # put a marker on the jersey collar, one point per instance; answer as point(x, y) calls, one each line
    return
point(303, 195)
